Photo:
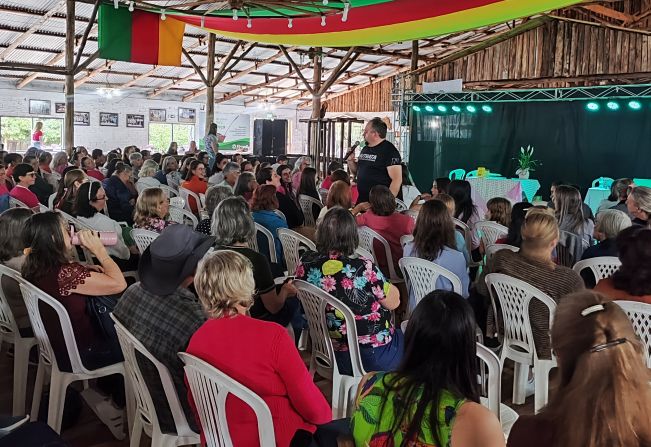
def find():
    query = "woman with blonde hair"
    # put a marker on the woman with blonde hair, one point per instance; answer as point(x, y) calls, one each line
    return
point(260, 355)
point(152, 207)
point(499, 210)
point(37, 136)
point(603, 397)
point(146, 176)
point(534, 265)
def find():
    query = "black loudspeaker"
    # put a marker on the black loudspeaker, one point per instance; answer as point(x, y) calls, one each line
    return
point(269, 138)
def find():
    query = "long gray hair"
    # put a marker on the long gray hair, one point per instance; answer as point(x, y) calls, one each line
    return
point(299, 161)
point(232, 222)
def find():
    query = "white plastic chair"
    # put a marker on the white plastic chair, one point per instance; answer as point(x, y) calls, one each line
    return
point(15, 203)
point(50, 201)
point(186, 194)
point(271, 245)
point(59, 380)
point(323, 193)
point(401, 206)
point(210, 389)
point(492, 389)
point(367, 237)
point(518, 345)
point(143, 238)
point(145, 416)
point(22, 345)
point(467, 236)
point(421, 276)
point(178, 202)
point(602, 267)
point(306, 202)
point(292, 242)
point(182, 216)
point(363, 253)
point(280, 214)
point(407, 238)
point(490, 232)
point(171, 192)
point(314, 301)
point(494, 248)
point(42, 208)
point(640, 316)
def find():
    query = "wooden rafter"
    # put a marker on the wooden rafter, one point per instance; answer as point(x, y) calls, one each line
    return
point(92, 73)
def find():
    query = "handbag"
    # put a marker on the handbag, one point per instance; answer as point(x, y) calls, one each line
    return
point(98, 309)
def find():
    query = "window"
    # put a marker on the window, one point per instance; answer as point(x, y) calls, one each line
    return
point(16, 133)
point(162, 134)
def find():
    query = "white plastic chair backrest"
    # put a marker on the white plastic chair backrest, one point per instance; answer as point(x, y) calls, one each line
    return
point(15, 203)
point(32, 296)
point(407, 238)
point(42, 208)
point(144, 402)
point(421, 276)
point(306, 203)
point(401, 206)
point(50, 201)
point(291, 242)
point(314, 301)
point(178, 202)
point(601, 267)
point(210, 389)
point(493, 389)
point(143, 238)
point(494, 248)
point(271, 244)
point(457, 174)
point(171, 192)
point(366, 238)
point(411, 213)
point(323, 193)
point(465, 230)
point(202, 199)
point(363, 253)
point(490, 232)
point(182, 215)
point(640, 316)
point(514, 296)
point(8, 326)
point(281, 214)
point(186, 194)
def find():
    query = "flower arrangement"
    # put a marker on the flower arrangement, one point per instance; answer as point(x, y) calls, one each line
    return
point(526, 163)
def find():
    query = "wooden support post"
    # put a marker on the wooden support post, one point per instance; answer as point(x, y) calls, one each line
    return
point(414, 64)
point(210, 88)
point(68, 120)
point(316, 95)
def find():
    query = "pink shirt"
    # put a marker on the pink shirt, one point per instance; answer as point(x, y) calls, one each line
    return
point(24, 195)
point(96, 174)
point(391, 228)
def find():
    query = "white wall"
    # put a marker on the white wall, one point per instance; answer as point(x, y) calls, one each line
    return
point(15, 102)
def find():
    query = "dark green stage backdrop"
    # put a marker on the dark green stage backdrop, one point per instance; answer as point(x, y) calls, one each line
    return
point(573, 144)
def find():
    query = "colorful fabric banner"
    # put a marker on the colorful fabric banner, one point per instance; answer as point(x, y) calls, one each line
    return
point(139, 36)
point(395, 21)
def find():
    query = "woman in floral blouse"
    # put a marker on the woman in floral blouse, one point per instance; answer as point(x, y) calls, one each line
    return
point(152, 208)
point(359, 284)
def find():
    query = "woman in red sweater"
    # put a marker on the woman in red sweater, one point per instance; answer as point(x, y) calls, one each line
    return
point(260, 355)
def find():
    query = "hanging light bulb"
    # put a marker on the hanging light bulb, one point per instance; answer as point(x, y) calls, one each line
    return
point(203, 21)
point(344, 17)
point(290, 23)
point(325, 2)
point(130, 6)
point(248, 23)
point(235, 17)
point(323, 21)
point(162, 16)
point(115, 4)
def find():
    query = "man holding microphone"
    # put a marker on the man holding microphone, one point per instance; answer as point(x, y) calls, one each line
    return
point(378, 163)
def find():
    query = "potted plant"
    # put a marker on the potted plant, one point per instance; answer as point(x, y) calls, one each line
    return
point(526, 163)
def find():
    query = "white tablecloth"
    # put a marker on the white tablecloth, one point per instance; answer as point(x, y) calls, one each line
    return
point(594, 197)
point(488, 188)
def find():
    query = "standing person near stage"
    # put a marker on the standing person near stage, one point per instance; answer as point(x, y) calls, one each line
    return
point(378, 163)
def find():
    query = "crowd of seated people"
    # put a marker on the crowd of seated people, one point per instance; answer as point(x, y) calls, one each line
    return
point(206, 292)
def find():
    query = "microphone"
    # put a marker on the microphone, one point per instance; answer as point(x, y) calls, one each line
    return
point(352, 149)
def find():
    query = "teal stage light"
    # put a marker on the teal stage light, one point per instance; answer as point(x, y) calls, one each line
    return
point(612, 105)
point(592, 106)
point(442, 108)
point(416, 108)
point(456, 109)
point(429, 108)
point(635, 105)
point(487, 108)
point(471, 109)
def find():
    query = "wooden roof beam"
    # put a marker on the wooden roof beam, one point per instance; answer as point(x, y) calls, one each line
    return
point(92, 73)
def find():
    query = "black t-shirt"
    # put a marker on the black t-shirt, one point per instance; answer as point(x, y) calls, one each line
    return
point(372, 167)
point(287, 206)
point(264, 279)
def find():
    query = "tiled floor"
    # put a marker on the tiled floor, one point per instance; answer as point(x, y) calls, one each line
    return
point(90, 432)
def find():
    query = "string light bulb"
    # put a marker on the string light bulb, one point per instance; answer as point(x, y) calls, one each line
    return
point(235, 17)
point(344, 17)
point(116, 4)
point(130, 6)
point(203, 21)
point(325, 2)
point(290, 23)
point(323, 21)
point(248, 23)
point(163, 16)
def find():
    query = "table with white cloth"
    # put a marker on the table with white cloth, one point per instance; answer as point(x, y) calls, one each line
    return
point(484, 189)
point(594, 197)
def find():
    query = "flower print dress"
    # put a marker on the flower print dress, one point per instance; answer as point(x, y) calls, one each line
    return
point(375, 409)
point(155, 224)
point(359, 284)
